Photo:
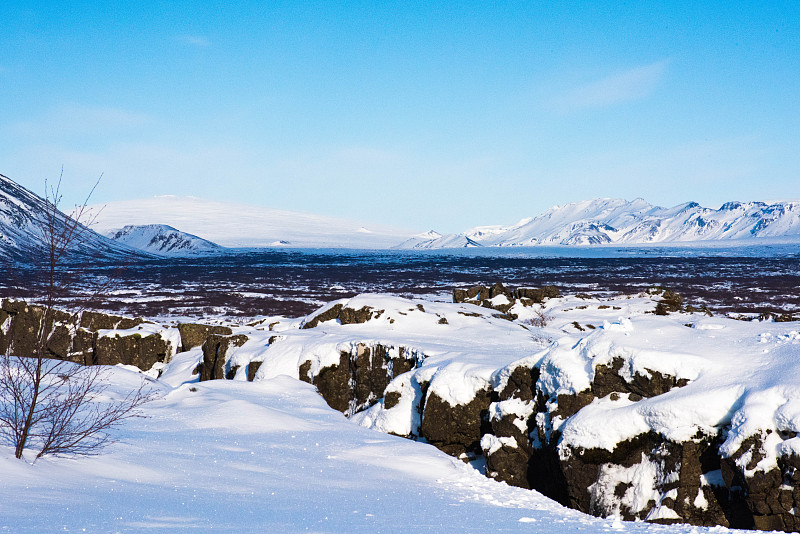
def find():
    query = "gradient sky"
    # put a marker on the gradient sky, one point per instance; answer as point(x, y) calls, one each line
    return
point(416, 114)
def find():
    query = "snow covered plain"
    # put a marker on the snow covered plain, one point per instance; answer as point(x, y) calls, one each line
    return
point(233, 456)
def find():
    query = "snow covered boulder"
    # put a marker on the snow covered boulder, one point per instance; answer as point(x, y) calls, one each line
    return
point(503, 299)
point(342, 313)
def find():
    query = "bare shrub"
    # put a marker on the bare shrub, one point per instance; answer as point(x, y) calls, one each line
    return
point(57, 407)
point(53, 406)
point(540, 318)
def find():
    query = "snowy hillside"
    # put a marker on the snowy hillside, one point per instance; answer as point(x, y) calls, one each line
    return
point(20, 235)
point(616, 221)
point(163, 240)
point(238, 225)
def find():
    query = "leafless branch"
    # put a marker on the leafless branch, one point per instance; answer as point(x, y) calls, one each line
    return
point(48, 405)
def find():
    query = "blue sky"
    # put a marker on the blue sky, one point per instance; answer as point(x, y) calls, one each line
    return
point(416, 114)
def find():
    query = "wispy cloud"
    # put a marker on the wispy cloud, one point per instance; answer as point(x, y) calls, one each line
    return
point(77, 119)
point(199, 41)
point(622, 86)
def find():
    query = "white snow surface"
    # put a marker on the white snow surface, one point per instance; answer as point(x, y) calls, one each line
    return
point(235, 455)
point(240, 225)
point(268, 456)
point(618, 221)
point(742, 374)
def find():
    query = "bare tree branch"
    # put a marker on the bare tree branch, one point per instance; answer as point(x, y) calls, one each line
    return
point(48, 405)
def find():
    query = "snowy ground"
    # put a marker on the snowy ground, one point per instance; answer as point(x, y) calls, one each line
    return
point(269, 456)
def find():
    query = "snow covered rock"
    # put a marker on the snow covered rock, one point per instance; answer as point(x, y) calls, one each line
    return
point(500, 298)
point(88, 338)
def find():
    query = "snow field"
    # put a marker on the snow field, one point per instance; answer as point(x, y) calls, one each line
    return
point(239, 456)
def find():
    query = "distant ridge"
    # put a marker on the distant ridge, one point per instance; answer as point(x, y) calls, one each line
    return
point(163, 240)
point(617, 221)
point(20, 239)
point(241, 225)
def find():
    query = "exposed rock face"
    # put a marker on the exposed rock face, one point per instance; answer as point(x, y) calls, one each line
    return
point(327, 315)
point(252, 369)
point(608, 380)
point(194, 335)
point(773, 496)
point(21, 327)
point(76, 337)
point(215, 355)
point(508, 447)
point(455, 429)
point(95, 321)
point(360, 377)
point(134, 349)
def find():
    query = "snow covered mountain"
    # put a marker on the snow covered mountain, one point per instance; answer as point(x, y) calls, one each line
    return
point(238, 225)
point(163, 240)
point(20, 236)
point(617, 221)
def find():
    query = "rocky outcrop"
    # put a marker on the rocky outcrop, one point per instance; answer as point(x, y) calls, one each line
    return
point(360, 376)
point(79, 337)
point(772, 497)
point(501, 298)
point(217, 350)
point(194, 335)
point(455, 429)
point(135, 349)
point(646, 477)
point(344, 315)
point(22, 326)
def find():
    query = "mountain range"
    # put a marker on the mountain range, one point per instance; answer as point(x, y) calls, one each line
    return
point(617, 221)
point(159, 226)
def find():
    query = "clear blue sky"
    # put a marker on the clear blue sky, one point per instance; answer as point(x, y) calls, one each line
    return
point(416, 114)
